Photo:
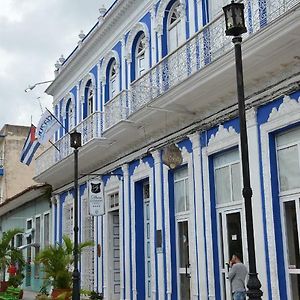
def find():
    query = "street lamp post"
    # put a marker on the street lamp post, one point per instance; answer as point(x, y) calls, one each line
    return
point(32, 86)
point(235, 26)
point(75, 142)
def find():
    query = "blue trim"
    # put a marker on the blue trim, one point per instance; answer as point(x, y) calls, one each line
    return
point(214, 229)
point(85, 103)
point(97, 258)
point(102, 257)
point(172, 235)
point(139, 240)
point(187, 27)
point(196, 16)
point(205, 12)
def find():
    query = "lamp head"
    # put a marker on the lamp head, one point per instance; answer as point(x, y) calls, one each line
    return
point(75, 139)
point(234, 19)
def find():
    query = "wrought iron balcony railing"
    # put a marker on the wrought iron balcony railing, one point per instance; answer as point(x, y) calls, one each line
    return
point(116, 109)
point(90, 128)
point(203, 48)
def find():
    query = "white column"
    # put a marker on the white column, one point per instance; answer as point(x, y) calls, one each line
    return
point(106, 253)
point(78, 105)
point(58, 218)
point(153, 37)
point(159, 226)
point(54, 203)
point(252, 131)
point(100, 265)
point(159, 31)
point(126, 223)
point(123, 75)
point(98, 87)
point(199, 215)
point(121, 239)
point(192, 17)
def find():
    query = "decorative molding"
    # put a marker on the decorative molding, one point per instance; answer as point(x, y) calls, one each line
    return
point(224, 138)
point(195, 139)
point(112, 184)
point(106, 59)
point(132, 34)
point(251, 117)
point(142, 168)
point(65, 103)
point(161, 13)
point(288, 106)
point(86, 78)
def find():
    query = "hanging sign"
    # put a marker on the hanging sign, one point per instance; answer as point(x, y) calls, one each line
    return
point(96, 197)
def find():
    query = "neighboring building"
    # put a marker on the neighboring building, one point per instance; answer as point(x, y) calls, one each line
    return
point(30, 210)
point(152, 73)
point(14, 176)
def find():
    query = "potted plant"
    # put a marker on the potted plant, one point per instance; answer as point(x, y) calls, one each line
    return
point(8, 254)
point(58, 261)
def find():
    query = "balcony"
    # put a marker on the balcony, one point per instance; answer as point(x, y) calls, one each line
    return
point(91, 129)
point(191, 83)
point(116, 109)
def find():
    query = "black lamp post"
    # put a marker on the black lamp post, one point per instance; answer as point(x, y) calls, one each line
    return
point(75, 142)
point(235, 26)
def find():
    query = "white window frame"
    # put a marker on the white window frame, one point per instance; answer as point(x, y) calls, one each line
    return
point(175, 26)
point(139, 56)
point(90, 99)
point(49, 228)
point(113, 80)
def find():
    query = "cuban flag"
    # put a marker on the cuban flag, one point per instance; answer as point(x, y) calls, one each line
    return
point(30, 147)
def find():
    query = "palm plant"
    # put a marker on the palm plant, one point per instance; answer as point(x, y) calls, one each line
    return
point(58, 260)
point(8, 253)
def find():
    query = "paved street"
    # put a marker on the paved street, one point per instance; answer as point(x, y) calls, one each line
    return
point(28, 295)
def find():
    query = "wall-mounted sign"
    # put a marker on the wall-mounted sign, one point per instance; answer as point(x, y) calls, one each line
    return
point(96, 197)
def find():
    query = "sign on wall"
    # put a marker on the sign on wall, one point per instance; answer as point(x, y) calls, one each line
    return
point(96, 197)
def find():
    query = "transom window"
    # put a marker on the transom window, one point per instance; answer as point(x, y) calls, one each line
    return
point(288, 156)
point(227, 177)
point(114, 200)
point(181, 190)
point(174, 27)
point(140, 55)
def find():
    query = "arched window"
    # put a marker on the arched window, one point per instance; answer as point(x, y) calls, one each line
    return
point(174, 27)
point(69, 115)
point(88, 104)
point(90, 99)
point(113, 79)
point(140, 57)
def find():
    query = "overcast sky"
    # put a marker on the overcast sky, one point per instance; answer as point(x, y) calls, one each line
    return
point(34, 33)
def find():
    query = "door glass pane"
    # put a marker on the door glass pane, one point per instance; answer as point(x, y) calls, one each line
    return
point(226, 158)
point(181, 190)
point(289, 169)
point(292, 235)
point(183, 240)
point(222, 185)
point(295, 286)
point(236, 182)
point(179, 196)
point(234, 231)
point(184, 287)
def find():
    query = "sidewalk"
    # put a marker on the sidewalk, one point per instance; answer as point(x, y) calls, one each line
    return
point(28, 295)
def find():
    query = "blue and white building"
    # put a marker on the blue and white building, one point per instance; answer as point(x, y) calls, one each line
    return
point(152, 73)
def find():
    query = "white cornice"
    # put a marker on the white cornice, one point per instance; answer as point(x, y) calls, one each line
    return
point(93, 49)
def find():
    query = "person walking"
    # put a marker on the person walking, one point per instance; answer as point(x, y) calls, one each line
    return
point(237, 276)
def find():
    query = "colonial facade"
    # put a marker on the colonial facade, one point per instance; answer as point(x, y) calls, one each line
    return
point(152, 73)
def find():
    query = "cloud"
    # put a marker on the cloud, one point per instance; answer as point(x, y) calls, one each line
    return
point(34, 34)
